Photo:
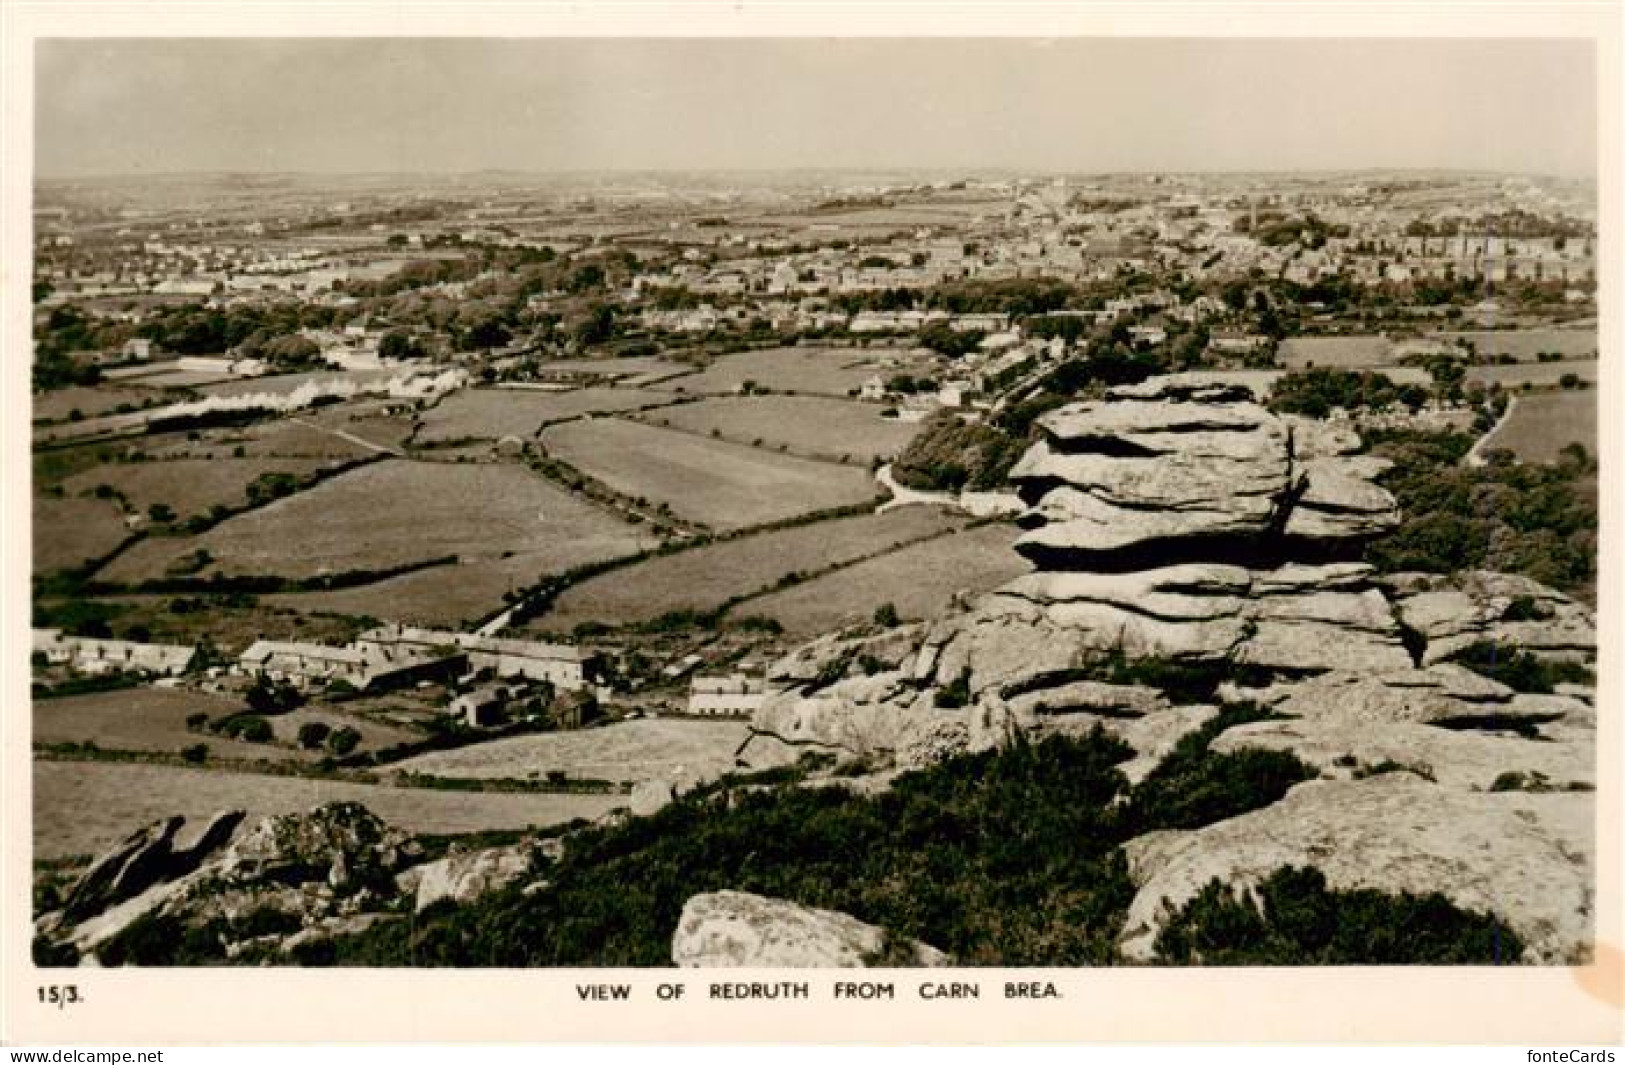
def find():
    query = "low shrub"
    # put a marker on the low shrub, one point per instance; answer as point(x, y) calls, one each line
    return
point(1296, 920)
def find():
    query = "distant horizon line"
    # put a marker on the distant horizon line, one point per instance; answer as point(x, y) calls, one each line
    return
point(935, 170)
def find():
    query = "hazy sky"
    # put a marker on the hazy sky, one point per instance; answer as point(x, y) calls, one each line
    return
point(148, 106)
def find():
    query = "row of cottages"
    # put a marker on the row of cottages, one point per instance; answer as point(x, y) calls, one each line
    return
point(565, 667)
point(310, 665)
point(736, 695)
point(89, 655)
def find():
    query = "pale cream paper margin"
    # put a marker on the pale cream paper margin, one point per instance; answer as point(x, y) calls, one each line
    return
point(168, 1007)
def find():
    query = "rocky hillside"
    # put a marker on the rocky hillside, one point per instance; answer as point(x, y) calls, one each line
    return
point(1200, 698)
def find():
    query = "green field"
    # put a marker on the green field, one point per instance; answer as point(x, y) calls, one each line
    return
point(188, 486)
point(396, 512)
point(59, 404)
point(706, 577)
point(83, 808)
point(493, 413)
point(837, 430)
point(283, 438)
point(1526, 344)
point(821, 371)
point(920, 581)
point(154, 719)
point(1541, 425)
point(1336, 353)
point(69, 532)
point(725, 486)
point(1533, 373)
point(457, 595)
point(141, 719)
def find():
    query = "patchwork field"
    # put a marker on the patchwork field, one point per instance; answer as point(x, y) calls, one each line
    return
point(726, 486)
point(396, 512)
point(493, 413)
point(650, 748)
point(1533, 373)
point(1335, 353)
point(69, 532)
point(59, 404)
point(919, 581)
point(707, 577)
point(456, 595)
point(1526, 344)
point(1541, 425)
point(823, 371)
point(838, 430)
point(187, 486)
point(84, 807)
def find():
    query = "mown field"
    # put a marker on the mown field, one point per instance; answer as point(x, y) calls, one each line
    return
point(723, 485)
point(706, 577)
point(646, 749)
point(822, 371)
point(396, 512)
point(1533, 373)
point(187, 486)
point(68, 532)
point(82, 808)
point(1526, 344)
point(1541, 425)
point(493, 413)
point(1335, 353)
point(837, 430)
point(919, 581)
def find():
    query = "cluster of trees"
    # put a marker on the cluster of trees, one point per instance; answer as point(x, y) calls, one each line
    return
point(1538, 520)
point(1317, 392)
point(1275, 230)
point(950, 454)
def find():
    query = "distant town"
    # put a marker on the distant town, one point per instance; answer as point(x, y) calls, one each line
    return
point(506, 502)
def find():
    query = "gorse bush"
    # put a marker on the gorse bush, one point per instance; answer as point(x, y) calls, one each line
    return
point(1196, 786)
point(1297, 920)
point(1007, 857)
point(1521, 670)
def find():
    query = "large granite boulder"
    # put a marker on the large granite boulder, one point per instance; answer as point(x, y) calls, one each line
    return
point(463, 878)
point(734, 929)
point(1173, 470)
point(1524, 856)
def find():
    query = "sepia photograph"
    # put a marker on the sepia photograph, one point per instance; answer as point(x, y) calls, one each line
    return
point(778, 504)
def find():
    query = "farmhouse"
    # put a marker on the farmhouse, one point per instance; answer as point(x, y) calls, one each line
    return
point(561, 665)
point(303, 664)
point(368, 668)
point(482, 706)
point(106, 656)
point(736, 695)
